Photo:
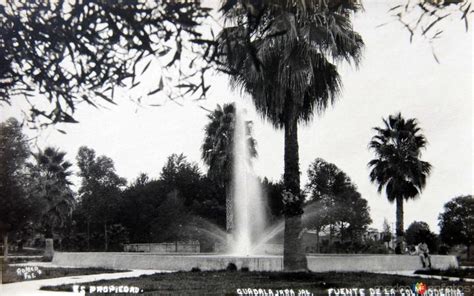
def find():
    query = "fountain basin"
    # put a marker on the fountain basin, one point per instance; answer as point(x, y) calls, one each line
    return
point(185, 262)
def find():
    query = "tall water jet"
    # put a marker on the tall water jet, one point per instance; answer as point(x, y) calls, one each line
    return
point(248, 203)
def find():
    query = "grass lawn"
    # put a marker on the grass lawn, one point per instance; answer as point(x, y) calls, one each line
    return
point(25, 260)
point(466, 262)
point(452, 272)
point(227, 283)
point(27, 252)
point(10, 274)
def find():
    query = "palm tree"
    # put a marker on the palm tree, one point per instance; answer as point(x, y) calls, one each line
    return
point(50, 180)
point(397, 168)
point(278, 52)
point(217, 152)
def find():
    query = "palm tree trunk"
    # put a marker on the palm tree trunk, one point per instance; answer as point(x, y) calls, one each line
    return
point(294, 257)
point(229, 214)
point(229, 205)
point(399, 227)
point(5, 247)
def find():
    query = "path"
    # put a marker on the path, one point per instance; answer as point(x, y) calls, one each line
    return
point(425, 276)
point(32, 287)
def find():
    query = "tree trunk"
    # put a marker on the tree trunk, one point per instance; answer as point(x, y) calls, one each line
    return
point(88, 235)
point(5, 247)
point(229, 215)
point(399, 227)
point(331, 233)
point(341, 232)
point(105, 237)
point(318, 250)
point(229, 205)
point(21, 245)
point(49, 230)
point(294, 257)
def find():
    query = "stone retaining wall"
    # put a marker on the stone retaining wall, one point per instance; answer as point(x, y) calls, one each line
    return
point(376, 262)
point(185, 262)
point(177, 247)
point(170, 262)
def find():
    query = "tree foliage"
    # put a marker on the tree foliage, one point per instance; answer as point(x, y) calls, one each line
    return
point(181, 175)
point(326, 179)
point(456, 222)
point(167, 209)
point(178, 169)
point(424, 17)
point(74, 51)
point(96, 171)
point(273, 193)
point(335, 203)
point(100, 190)
point(218, 151)
point(397, 167)
point(218, 145)
point(15, 207)
point(139, 203)
point(35, 193)
point(419, 232)
point(49, 186)
point(182, 204)
point(279, 53)
point(386, 232)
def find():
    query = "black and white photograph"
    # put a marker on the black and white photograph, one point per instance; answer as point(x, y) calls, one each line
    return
point(236, 147)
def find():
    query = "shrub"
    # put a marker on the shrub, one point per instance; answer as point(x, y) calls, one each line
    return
point(231, 267)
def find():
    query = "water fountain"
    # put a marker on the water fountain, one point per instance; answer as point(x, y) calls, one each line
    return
point(250, 237)
point(248, 202)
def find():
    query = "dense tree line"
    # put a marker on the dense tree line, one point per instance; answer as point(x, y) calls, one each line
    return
point(14, 203)
point(109, 213)
point(181, 203)
point(36, 196)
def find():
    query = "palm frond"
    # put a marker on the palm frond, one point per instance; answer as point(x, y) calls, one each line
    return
point(217, 147)
point(397, 167)
point(284, 57)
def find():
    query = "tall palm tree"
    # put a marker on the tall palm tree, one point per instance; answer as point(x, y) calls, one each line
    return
point(217, 152)
point(397, 168)
point(51, 174)
point(283, 53)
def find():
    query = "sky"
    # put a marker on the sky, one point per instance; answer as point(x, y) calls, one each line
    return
point(394, 76)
